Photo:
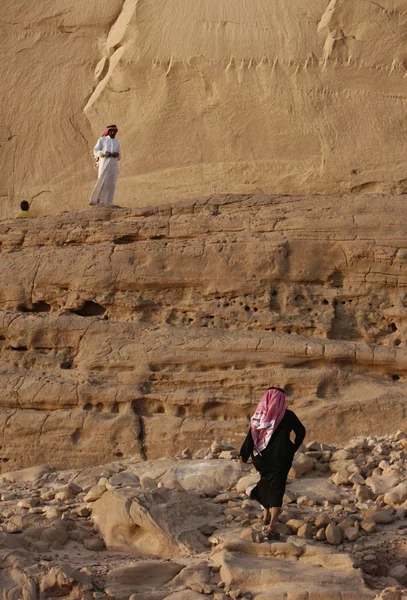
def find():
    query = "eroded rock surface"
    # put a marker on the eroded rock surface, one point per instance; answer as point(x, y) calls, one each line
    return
point(128, 333)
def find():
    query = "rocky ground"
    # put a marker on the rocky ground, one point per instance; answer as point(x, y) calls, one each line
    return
point(185, 529)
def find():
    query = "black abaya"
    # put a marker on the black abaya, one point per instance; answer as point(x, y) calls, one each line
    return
point(275, 460)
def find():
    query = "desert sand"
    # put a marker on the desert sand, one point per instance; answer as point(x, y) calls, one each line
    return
point(211, 96)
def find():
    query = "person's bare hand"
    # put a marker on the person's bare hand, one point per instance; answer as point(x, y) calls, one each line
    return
point(107, 154)
point(240, 460)
point(115, 154)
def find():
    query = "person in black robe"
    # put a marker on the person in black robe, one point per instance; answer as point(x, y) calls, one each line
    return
point(268, 443)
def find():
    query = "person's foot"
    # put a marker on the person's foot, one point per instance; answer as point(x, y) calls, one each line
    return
point(266, 516)
point(271, 536)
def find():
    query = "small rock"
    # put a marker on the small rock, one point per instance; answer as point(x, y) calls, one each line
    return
point(305, 501)
point(368, 525)
point(148, 483)
point(320, 535)
point(322, 520)
point(200, 588)
point(369, 557)
point(382, 517)
point(341, 478)
point(218, 446)
point(52, 512)
point(295, 524)
point(7, 496)
point(200, 454)
point(94, 543)
point(399, 572)
point(289, 497)
point(28, 503)
point(390, 594)
point(305, 531)
point(229, 454)
point(302, 464)
point(82, 511)
point(95, 493)
point(351, 533)
point(333, 534)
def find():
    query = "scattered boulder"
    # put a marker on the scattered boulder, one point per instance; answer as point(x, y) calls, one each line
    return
point(248, 481)
point(95, 493)
point(60, 581)
point(333, 534)
point(301, 464)
point(397, 495)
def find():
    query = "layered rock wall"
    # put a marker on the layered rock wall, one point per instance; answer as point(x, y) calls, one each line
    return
point(213, 96)
point(141, 332)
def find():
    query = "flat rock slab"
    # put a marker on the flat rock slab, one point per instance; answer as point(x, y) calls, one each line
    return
point(254, 567)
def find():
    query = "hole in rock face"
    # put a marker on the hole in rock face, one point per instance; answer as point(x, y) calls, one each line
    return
point(125, 239)
point(393, 326)
point(146, 407)
point(180, 412)
point(90, 309)
point(66, 364)
point(395, 377)
point(37, 307)
point(2, 338)
point(76, 436)
point(41, 306)
point(212, 409)
point(18, 348)
point(87, 406)
point(397, 342)
point(118, 453)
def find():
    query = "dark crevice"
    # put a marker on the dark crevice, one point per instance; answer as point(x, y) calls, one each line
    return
point(125, 239)
point(90, 309)
point(38, 307)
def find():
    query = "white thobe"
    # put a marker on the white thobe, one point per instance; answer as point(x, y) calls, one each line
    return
point(103, 191)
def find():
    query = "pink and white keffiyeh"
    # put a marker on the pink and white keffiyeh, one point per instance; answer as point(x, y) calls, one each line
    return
point(268, 415)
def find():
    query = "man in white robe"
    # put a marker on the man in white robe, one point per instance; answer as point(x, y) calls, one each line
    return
point(107, 155)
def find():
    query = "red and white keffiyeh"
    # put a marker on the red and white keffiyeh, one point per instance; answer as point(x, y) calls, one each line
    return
point(268, 416)
point(104, 134)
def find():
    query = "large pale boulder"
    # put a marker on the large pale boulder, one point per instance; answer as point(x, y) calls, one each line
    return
point(161, 523)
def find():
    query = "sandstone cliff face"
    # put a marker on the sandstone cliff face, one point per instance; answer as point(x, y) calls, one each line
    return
point(213, 96)
point(140, 332)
